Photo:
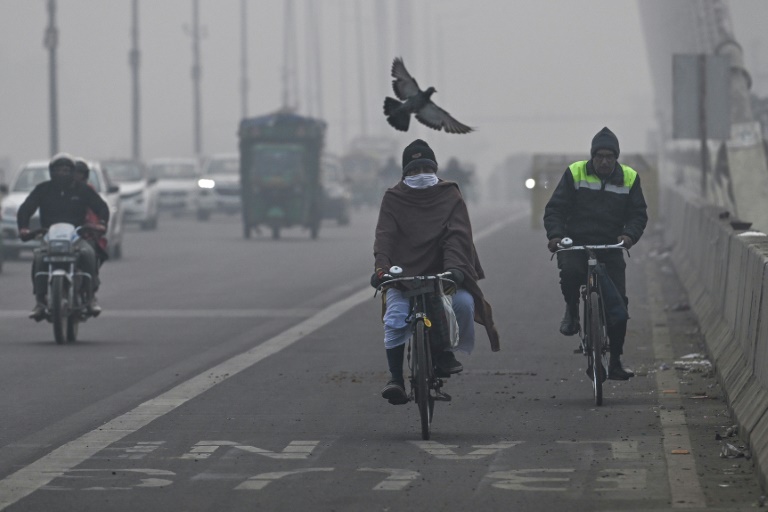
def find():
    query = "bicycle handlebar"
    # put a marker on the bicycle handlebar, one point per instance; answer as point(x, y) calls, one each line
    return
point(392, 279)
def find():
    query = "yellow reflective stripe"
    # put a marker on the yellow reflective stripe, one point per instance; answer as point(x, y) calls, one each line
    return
point(583, 180)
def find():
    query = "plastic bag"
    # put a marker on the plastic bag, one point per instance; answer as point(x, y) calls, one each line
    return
point(443, 318)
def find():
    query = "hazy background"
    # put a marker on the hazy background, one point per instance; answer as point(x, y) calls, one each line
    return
point(531, 75)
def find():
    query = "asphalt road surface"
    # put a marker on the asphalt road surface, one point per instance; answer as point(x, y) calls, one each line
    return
point(232, 374)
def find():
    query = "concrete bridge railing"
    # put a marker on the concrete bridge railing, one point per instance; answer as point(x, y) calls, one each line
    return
point(725, 271)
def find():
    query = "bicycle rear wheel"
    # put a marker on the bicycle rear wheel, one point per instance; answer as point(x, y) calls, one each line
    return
point(595, 334)
point(421, 367)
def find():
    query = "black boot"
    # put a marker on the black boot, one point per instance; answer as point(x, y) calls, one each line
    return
point(447, 364)
point(38, 312)
point(616, 371)
point(394, 390)
point(570, 323)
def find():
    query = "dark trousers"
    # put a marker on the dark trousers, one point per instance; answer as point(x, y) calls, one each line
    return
point(86, 262)
point(573, 274)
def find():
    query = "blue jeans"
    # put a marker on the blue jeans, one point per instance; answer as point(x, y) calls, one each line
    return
point(397, 330)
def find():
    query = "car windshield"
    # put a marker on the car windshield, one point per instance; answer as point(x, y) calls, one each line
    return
point(223, 166)
point(173, 171)
point(30, 177)
point(124, 171)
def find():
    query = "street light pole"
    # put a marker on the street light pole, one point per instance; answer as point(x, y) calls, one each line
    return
point(51, 43)
point(196, 72)
point(244, 58)
point(133, 59)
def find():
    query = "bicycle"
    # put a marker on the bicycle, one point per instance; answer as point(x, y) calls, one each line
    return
point(425, 384)
point(595, 344)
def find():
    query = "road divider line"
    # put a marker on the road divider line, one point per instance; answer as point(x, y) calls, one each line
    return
point(64, 458)
point(684, 484)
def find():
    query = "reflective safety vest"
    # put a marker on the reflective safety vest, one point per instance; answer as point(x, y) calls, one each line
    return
point(581, 179)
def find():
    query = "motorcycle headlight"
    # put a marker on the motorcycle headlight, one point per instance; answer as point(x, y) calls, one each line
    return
point(59, 246)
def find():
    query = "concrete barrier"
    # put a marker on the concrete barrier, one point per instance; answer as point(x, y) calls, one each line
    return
point(725, 272)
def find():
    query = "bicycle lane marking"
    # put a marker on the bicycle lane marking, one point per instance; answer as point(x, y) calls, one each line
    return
point(684, 486)
point(64, 458)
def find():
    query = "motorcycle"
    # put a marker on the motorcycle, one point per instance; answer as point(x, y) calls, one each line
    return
point(70, 289)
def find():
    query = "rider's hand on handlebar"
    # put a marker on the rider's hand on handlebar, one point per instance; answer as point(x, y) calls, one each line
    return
point(627, 241)
point(457, 276)
point(552, 245)
point(24, 234)
point(380, 276)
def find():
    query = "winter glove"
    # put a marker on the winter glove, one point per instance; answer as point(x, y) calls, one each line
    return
point(627, 241)
point(378, 277)
point(457, 276)
point(552, 245)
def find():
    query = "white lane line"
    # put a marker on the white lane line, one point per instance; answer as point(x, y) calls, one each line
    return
point(41, 472)
point(684, 485)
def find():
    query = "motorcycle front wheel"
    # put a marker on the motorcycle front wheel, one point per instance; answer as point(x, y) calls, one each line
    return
point(58, 306)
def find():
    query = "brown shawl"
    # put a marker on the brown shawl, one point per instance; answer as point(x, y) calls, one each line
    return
point(427, 231)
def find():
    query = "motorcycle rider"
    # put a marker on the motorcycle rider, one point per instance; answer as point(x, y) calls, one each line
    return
point(82, 172)
point(61, 199)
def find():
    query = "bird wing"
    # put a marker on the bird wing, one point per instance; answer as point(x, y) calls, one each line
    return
point(403, 84)
point(436, 118)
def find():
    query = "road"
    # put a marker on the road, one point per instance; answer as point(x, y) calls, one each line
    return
point(232, 374)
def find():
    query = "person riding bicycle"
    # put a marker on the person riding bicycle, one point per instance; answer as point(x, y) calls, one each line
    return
point(597, 202)
point(424, 228)
point(61, 199)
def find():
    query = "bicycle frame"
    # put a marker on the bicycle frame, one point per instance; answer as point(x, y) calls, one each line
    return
point(595, 344)
point(425, 385)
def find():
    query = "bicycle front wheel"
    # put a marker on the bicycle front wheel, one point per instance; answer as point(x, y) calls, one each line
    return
point(596, 347)
point(421, 369)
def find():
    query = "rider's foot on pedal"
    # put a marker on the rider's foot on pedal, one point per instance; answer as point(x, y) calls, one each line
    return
point(38, 312)
point(446, 362)
point(94, 307)
point(617, 372)
point(394, 391)
point(570, 322)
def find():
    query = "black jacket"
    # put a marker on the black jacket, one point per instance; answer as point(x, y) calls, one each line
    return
point(596, 215)
point(61, 205)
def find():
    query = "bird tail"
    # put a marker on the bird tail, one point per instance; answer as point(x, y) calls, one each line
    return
point(400, 120)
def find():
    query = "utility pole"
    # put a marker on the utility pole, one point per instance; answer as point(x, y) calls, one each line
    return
point(196, 72)
point(133, 59)
point(51, 41)
point(289, 58)
point(243, 59)
point(361, 71)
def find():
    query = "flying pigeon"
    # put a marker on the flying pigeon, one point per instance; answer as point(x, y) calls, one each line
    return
point(416, 101)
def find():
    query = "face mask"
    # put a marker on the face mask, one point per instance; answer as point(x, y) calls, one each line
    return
point(421, 180)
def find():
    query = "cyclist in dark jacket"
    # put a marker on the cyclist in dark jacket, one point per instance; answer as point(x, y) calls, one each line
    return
point(597, 201)
point(61, 199)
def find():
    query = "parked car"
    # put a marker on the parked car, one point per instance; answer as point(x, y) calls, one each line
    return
point(337, 195)
point(138, 191)
point(33, 173)
point(219, 186)
point(177, 187)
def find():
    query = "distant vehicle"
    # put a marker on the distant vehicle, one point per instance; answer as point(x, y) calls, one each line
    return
point(138, 191)
point(219, 185)
point(36, 172)
point(280, 172)
point(176, 183)
point(337, 197)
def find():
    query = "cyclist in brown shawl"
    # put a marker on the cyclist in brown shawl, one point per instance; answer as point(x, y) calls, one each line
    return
point(424, 228)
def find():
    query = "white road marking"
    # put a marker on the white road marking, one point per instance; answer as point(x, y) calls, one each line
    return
point(620, 450)
point(516, 479)
point(294, 450)
point(62, 459)
point(684, 483)
point(141, 450)
point(187, 313)
point(445, 451)
point(258, 482)
point(397, 480)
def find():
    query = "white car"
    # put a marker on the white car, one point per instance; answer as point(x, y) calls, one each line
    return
point(219, 185)
point(177, 187)
point(138, 191)
point(36, 172)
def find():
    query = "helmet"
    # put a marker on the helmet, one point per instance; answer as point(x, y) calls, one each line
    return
point(81, 167)
point(61, 159)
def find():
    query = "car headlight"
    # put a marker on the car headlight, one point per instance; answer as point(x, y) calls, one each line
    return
point(206, 183)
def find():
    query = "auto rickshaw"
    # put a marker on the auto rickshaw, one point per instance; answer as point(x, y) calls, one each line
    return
point(280, 157)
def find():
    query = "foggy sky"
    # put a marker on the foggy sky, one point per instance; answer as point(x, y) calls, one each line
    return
point(531, 75)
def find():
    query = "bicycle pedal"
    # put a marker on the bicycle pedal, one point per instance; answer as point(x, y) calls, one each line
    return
point(442, 397)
